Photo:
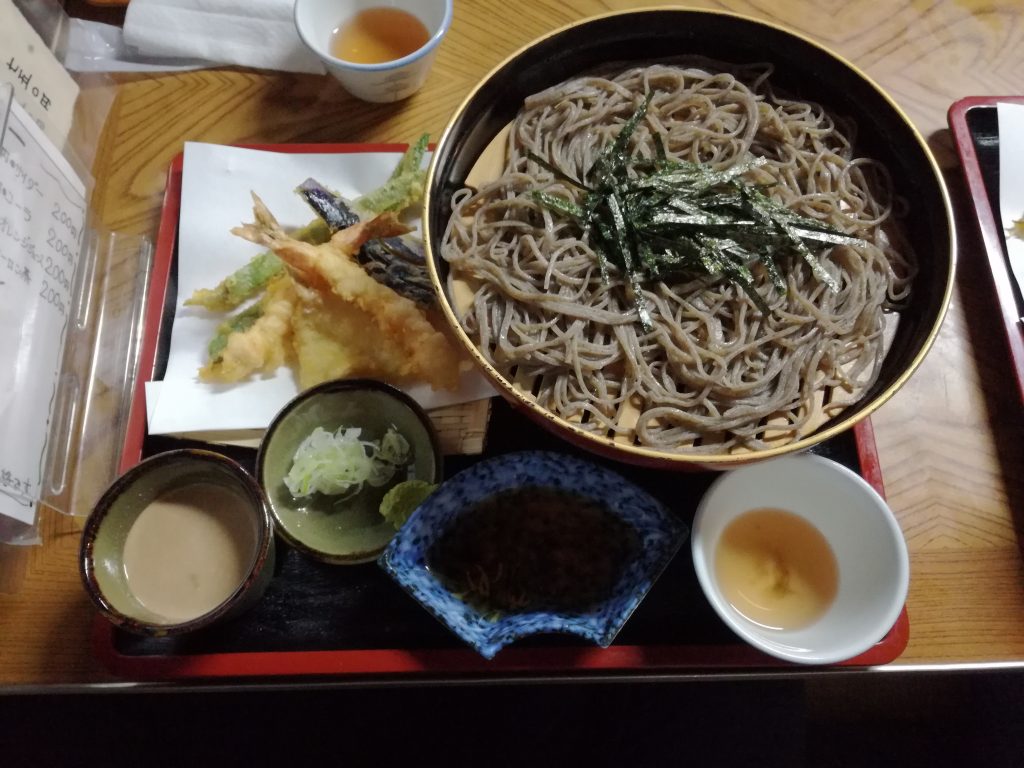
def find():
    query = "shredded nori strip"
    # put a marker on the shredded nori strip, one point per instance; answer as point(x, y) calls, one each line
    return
point(656, 218)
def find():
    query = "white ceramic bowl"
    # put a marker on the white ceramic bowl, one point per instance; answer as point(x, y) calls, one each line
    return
point(862, 531)
point(389, 81)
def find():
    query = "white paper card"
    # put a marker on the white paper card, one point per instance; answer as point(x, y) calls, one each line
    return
point(215, 196)
point(1011, 183)
point(42, 216)
point(40, 83)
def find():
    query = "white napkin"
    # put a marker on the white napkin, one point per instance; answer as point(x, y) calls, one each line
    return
point(249, 33)
point(96, 47)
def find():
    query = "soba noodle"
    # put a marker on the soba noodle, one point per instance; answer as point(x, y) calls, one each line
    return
point(715, 374)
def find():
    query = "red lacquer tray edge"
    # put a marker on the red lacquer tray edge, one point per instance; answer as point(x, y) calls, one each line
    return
point(988, 225)
point(379, 663)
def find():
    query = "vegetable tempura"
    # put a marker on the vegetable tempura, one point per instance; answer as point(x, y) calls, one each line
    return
point(353, 324)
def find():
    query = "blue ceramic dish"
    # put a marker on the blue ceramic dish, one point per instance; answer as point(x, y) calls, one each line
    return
point(659, 533)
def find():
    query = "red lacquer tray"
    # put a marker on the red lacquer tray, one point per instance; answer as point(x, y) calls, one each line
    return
point(974, 124)
point(353, 622)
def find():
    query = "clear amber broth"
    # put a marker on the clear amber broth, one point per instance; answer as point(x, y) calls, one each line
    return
point(377, 35)
point(776, 569)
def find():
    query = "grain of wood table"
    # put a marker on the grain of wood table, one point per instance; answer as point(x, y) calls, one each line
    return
point(950, 441)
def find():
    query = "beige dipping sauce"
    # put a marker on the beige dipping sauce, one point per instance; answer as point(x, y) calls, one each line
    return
point(189, 550)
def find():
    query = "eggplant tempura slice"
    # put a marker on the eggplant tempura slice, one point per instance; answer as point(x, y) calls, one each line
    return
point(397, 262)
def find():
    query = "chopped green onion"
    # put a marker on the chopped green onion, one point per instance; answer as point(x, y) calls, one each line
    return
point(340, 462)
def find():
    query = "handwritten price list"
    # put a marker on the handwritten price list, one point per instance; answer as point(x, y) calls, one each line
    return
point(42, 220)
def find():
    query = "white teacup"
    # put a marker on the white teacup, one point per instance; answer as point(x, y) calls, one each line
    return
point(871, 555)
point(316, 21)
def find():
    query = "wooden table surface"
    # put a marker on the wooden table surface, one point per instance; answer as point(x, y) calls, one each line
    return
point(950, 441)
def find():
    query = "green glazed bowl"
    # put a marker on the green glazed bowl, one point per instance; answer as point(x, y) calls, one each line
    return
point(101, 557)
point(348, 530)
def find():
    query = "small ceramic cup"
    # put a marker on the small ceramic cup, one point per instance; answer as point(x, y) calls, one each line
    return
point(229, 508)
point(870, 553)
point(316, 21)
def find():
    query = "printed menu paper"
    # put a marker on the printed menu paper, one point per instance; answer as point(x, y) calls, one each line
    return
point(42, 220)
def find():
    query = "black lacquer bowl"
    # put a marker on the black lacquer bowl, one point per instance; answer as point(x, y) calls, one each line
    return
point(802, 69)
